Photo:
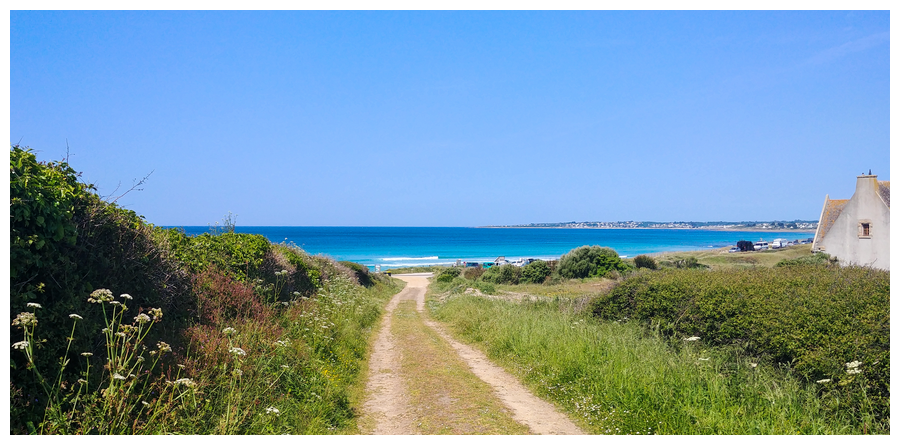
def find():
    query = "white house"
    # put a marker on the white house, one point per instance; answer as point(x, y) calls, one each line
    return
point(858, 230)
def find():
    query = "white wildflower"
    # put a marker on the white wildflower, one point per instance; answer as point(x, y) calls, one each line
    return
point(823, 381)
point(273, 410)
point(854, 371)
point(237, 351)
point(144, 403)
point(25, 319)
point(118, 376)
point(753, 365)
point(100, 295)
point(163, 347)
point(853, 364)
point(86, 354)
point(20, 345)
point(142, 318)
point(186, 382)
point(75, 317)
point(703, 359)
point(692, 339)
point(126, 297)
point(34, 305)
point(238, 372)
point(229, 331)
point(156, 313)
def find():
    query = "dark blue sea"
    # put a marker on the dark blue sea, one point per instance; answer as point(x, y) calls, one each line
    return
point(391, 247)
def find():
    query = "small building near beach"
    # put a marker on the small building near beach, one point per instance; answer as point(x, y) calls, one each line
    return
point(858, 230)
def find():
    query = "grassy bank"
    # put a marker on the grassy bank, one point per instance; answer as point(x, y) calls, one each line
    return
point(793, 349)
point(121, 327)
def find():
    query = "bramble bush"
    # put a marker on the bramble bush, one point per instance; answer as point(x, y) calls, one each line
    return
point(66, 242)
point(817, 319)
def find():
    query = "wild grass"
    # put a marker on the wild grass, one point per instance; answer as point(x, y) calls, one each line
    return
point(619, 378)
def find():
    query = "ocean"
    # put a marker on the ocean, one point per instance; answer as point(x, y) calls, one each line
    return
point(392, 247)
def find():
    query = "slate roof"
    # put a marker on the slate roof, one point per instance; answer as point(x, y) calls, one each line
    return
point(830, 213)
point(884, 190)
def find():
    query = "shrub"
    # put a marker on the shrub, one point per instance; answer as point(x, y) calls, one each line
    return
point(814, 318)
point(590, 261)
point(505, 274)
point(472, 273)
point(447, 275)
point(535, 272)
point(645, 262)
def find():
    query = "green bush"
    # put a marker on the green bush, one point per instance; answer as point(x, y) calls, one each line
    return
point(447, 275)
point(817, 319)
point(535, 272)
point(472, 273)
point(590, 261)
point(645, 262)
point(505, 274)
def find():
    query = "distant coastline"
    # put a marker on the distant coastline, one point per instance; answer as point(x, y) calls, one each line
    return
point(743, 226)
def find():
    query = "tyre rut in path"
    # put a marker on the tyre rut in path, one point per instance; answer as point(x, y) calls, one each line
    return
point(390, 407)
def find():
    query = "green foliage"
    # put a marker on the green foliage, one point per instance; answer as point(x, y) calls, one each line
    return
point(535, 272)
point(818, 258)
point(814, 318)
point(447, 275)
point(618, 378)
point(505, 274)
point(239, 255)
point(472, 273)
point(590, 261)
point(645, 262)
point(43, 201)
point(688, 263)
point(303, 371)
point(360, 272)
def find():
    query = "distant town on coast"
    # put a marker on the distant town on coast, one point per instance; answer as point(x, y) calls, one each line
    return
point(708, 225)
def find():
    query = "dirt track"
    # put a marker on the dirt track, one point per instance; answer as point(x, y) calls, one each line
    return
point(392, 411)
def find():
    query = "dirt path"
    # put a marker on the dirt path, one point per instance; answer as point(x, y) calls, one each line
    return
point(392, 411)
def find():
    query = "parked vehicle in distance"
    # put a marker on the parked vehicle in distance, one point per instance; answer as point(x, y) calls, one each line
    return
point(761, 245)
point(779, 243)
point(734, 249)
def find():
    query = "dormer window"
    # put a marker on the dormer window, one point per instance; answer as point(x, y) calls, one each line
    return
point(865, 229)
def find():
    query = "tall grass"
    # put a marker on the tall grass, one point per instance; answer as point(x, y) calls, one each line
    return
point(287, 372)
point(616, 378)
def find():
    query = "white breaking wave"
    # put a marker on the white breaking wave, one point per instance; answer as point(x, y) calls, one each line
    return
point(410, 258)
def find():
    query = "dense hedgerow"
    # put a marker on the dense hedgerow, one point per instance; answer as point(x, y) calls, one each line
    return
point(267, 339)
point(817, 319)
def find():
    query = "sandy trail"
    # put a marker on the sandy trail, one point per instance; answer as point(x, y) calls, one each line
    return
point(389, 405)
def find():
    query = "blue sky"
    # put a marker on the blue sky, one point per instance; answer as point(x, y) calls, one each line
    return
point(457, 118)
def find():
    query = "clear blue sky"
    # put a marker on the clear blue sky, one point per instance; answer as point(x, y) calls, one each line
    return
point(457, 118)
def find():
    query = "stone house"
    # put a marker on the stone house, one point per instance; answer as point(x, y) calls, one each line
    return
point(858, 230)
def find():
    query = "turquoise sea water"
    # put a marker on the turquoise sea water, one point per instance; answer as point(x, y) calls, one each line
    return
point(391, 247)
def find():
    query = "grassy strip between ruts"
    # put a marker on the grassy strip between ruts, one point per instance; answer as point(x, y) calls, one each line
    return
point(447, 397)
point(619, 380)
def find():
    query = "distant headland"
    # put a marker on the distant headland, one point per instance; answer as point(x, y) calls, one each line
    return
point(796, 225)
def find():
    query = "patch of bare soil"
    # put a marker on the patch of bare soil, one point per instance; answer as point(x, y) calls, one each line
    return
point(387, 405)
